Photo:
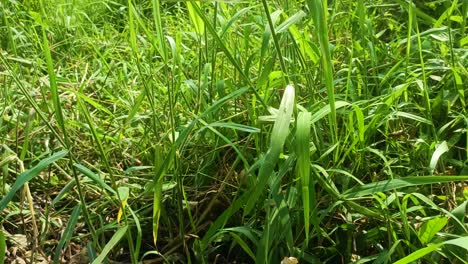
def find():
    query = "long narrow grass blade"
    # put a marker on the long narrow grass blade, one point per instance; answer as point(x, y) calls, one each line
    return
point(29, 174)
point(276, 42)
point(317, 8)
point(159, 30)
point(387, 185)
point(2, 247)
point(88, 173)
point(418, 254)
point(157, 194)
point(278, 137)
point(67, 234)
point(52, 77)
point(460, 242)
point(226, 51)
point(303, 164)
point(111, 244)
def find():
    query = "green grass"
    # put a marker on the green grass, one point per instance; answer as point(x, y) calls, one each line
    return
point(222, 131)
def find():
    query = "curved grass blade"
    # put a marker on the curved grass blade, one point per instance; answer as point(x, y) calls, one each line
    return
point(111, 244)
point(327, 110)
point(94, 177)
point(62, 192)
point(440, 149)
point(243, 244)
point(29, 174)
point(387, 185)
point(460, 242)
point(67, 235)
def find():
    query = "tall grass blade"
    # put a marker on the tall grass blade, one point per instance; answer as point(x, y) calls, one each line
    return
point(52, 76)
point(226, 51)
point(303, 166)
point(94, 177)
point(159, 30)
point(276, 42)
point(278, 136)
point(318, 12)
point(157, 194)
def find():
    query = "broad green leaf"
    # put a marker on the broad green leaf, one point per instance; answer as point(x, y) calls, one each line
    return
point(430, 228)
point(418, 254)
point(111, 244)
point(29, 174)
point(460, 242)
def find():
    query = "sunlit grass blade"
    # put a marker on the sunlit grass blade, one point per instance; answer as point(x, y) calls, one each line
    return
point(278, 136)
point(52, 76)
point(111, 244)
point(460, 242)
point(196, 20)
point(418, 254)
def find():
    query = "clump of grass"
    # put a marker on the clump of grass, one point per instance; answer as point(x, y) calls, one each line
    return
point(214, 132)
